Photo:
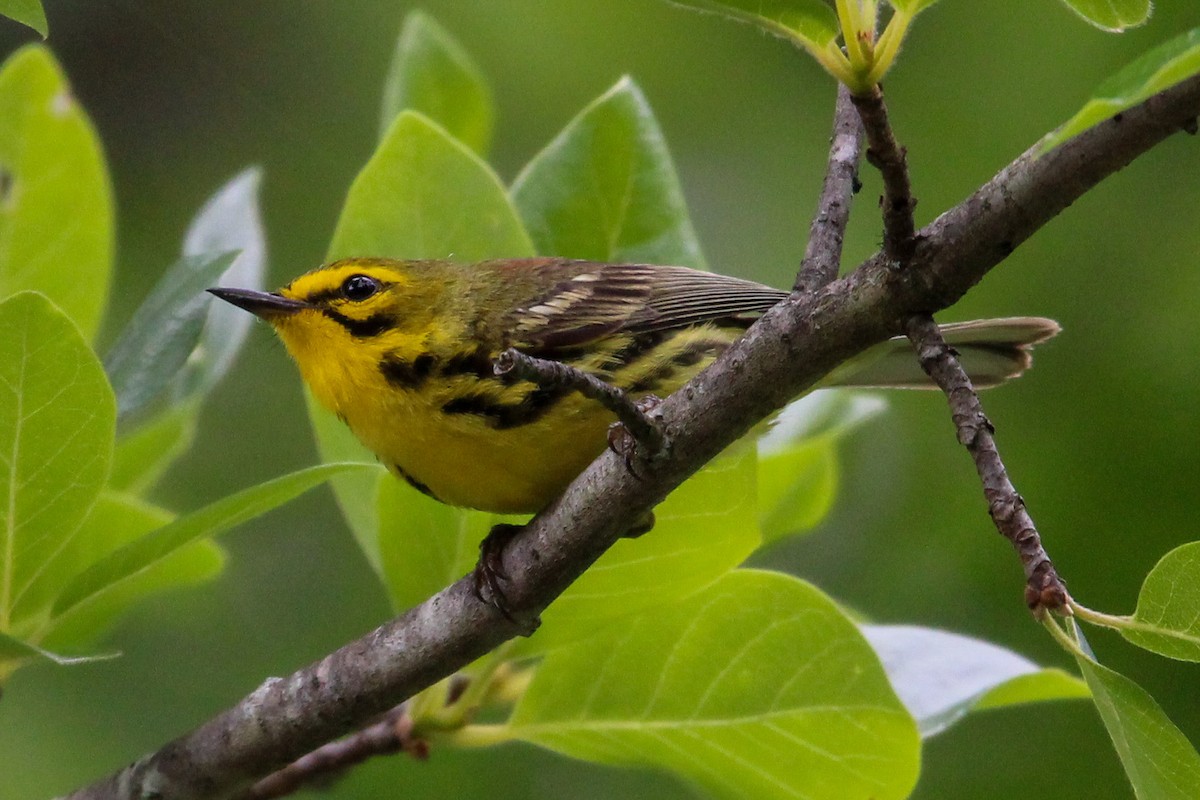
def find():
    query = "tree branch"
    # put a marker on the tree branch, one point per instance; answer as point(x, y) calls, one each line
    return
point(392, 734)
point(1044, 589)
point(823, 253)
point(886, 155)
point(785, 353)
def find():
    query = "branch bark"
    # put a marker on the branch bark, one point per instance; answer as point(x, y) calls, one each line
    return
point(886, 155)
point(785, 353)
point(823, 253)
point(1044, 589)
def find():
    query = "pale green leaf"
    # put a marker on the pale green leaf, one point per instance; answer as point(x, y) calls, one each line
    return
point(230, 221)
point(911, 7)
point(424, 545)
point(144, 454)
point(704, 529)
point(147, 357)
point(605, 188)
point(117, 521)
point(356, 492)
point(27, 12)
point(941, 676)
point(425, 195)
point(1159, 761)
point(1156, 70)
point(431, 73)
point(758, 687)
point(56, 217)
point(810, 23)
point(1112, 15)
point(209, 521)
point(57, 419)
point(15, 653)
point(1167, 619)
point(797, 459)
point(86, 624)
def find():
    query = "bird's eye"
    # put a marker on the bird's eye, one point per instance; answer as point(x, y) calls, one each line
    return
point(359, 287)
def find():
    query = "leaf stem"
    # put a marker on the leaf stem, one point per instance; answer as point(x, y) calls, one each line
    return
point(1068, 642)
point(479, 736)
point(1114, 621)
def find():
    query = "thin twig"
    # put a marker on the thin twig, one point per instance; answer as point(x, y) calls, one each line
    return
point(392, 734)
point(1044, 589)
point(786, 352)
point(823, 254)
point(886, 155)
point(551, 374)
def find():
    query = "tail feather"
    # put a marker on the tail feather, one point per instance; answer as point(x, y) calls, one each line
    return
point(992, 351)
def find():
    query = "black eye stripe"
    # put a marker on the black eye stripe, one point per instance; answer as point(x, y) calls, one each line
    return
point(323, 297)
point(373, 325)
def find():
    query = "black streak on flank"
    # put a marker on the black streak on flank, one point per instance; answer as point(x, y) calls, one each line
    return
point(413, 482)
point(507, 415)
point(361, 328)
point(478, 362)
point(695, 352)
point(405, 374)
point(690, 356)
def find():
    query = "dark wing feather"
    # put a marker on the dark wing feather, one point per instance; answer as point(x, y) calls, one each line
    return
point(595, 300)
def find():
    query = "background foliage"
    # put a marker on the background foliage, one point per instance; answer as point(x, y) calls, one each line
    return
point(184, 94)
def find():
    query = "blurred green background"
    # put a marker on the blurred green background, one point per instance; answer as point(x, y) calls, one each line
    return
point(1099, 437)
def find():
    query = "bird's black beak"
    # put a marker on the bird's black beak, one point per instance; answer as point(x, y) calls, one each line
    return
point(262, 304)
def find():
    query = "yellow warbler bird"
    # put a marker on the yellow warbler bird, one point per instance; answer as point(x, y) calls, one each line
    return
point(403, 353)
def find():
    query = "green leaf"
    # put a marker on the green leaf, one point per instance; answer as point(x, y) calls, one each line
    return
point(704, 529)
point(425, 195)
point(433, 74)
point(797, 459)
point(114, 521)
point(424, 545)
point(147, 357)
point(356, 491)
point(14, 653)
point(56, 439)
point(1160, 762)
point(56, 217)
point(809, 23)
point(229, 222)
point(941, 676)
point(1156, 70)
point(117, 521)
point(911, 7)
point(27, 12)
point(1167, 619)
point(759, 687)
point(145, 453)
point(1112, 15)
point(605, 188)
point(225, 513)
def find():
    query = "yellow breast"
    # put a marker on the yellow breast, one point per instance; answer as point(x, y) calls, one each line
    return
point(437, 416)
